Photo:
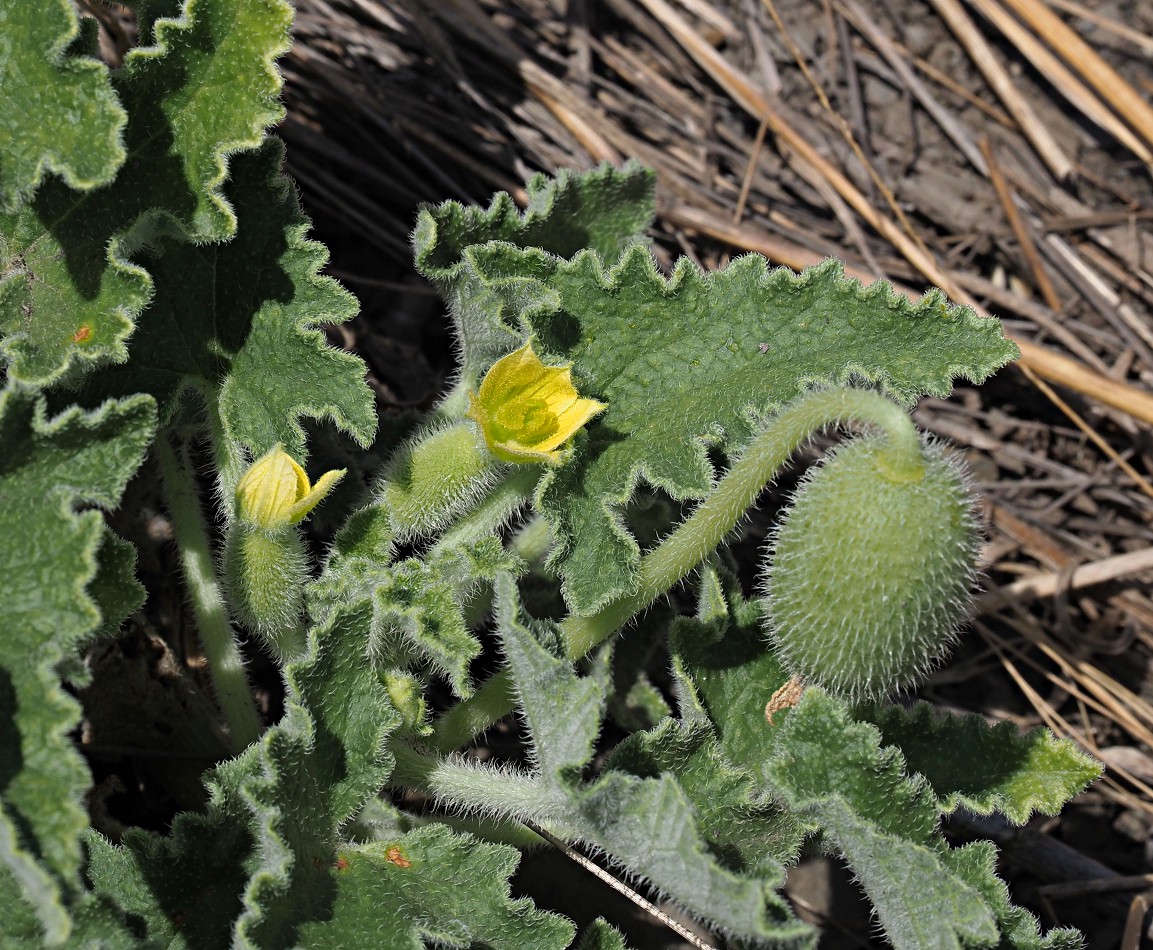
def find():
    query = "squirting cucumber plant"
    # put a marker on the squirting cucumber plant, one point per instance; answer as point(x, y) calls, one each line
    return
point(574, 495)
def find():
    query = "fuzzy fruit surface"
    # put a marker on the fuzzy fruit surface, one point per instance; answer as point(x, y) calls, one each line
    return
point(869, 577)
point(267, 571)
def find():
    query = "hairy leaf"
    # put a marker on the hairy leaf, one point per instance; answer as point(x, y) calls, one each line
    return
point(976, 863)
point(48, 557)
point(317, 768)
point(431, 886)
point(748, 831)
point(237, 321)
point(416, 606)
point(834, 770)
point(255, 866)
point(205, 88)
point(60, 115)
point(606, 210)
point(725, 671)
point(601, 935)
point(115, 589)
point(985, 768)
point(688, 363)
point(648, 824)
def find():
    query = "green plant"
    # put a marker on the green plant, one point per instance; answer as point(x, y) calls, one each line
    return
point(158, 312)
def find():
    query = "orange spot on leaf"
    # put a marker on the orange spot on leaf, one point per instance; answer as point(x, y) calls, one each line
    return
point(396, 856)
point(340, 863)
point(82, 333)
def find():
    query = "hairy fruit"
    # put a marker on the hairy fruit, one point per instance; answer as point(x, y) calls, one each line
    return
point(870, 571)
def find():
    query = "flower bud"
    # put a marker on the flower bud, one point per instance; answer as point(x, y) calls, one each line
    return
point(870, 571)
point(275, 491)
point(265, 560)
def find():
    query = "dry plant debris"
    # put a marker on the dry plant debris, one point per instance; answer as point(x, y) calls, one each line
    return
point(1001, 149)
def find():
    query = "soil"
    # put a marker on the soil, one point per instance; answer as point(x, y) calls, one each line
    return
point(884, 143)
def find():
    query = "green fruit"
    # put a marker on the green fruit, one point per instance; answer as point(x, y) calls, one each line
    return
point(871, 570)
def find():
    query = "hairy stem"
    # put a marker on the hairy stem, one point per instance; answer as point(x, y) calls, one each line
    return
point(698, 536)
point(225, 664)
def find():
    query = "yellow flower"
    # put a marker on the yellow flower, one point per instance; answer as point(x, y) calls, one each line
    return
point(275, 491)
point(528, 411)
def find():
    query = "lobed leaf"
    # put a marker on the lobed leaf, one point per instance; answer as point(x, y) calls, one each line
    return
point(237, 323)
point(414, 609)
point(48, 557)
point(725, 671)
point(976, 863)
point(985, 768)
point(648, 825)
point(835, 771)
point(255, 866)
point(430, 886)
point(606, 210)
point(60, 114)
point(204, 88)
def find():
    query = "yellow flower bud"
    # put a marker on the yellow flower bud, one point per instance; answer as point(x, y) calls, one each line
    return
point(275, 491)
point(528, 411)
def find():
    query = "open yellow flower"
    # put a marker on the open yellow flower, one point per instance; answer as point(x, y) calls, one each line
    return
point(528, 411)
point(275, 491)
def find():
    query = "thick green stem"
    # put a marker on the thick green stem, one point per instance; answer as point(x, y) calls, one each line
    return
point(225, 664)
point(698, 536)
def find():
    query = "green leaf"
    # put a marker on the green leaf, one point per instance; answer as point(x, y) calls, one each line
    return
point(683, 363)
point(985, 768)
point(318, 767)
point(417, 606)
point(204, 89)
point(48, 556)
point(601, 935)
point(60, 114)
point(648, 824)
point(185, 888)
point(94, 923)
point(976, 863)
point(238, 321)
point(117, 592)
point(255, 866)
point(725, 670)
point(737, 821)
point(688, 363)
point(835, 771)
point(606, 210)
point(431, 886)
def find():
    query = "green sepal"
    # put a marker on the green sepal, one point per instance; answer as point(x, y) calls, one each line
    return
point(266, 572)
point(48, 557)
point(60, 115)
point(404, 892)
point(969, 763)
point(435, 477)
